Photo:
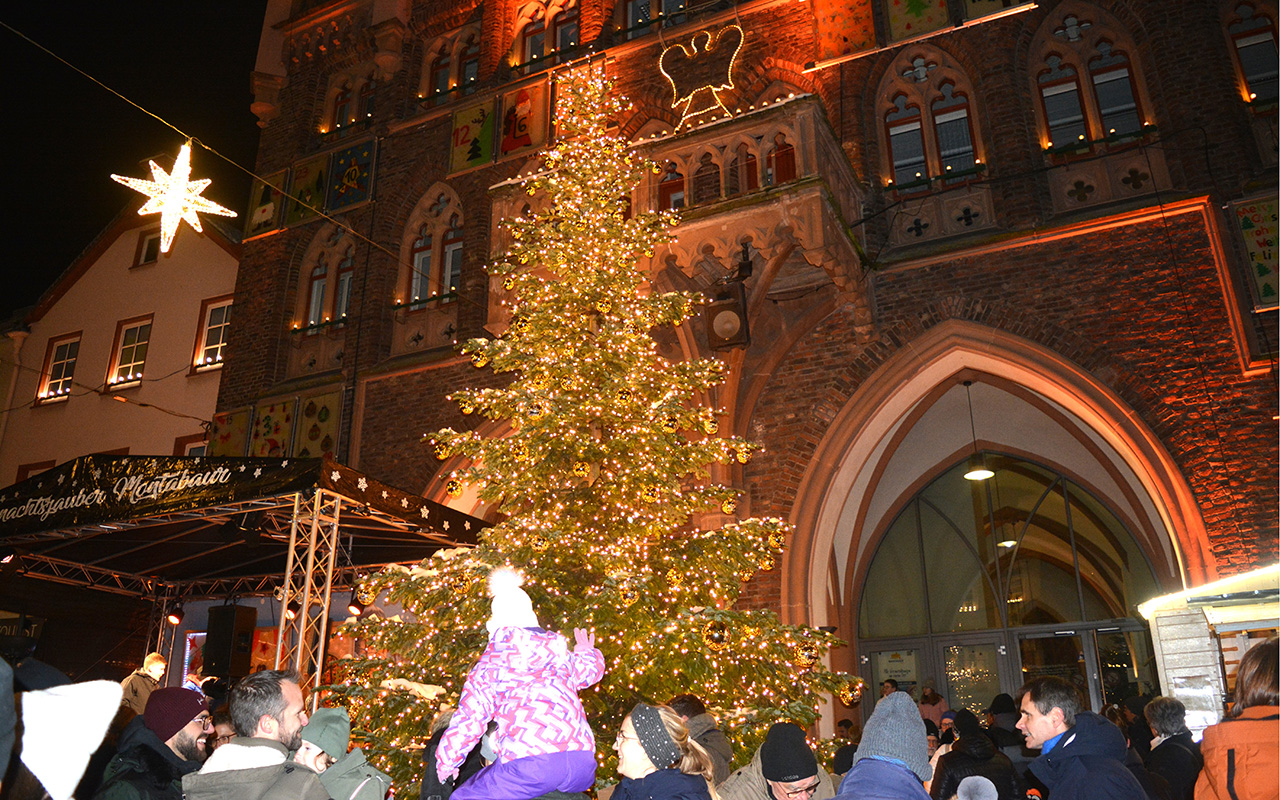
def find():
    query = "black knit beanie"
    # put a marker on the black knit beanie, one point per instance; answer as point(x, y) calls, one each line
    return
point(785, 756)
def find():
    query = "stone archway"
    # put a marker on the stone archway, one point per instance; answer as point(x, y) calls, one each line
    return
point(872, 458)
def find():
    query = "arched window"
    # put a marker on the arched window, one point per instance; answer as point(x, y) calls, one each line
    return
point(439, 79)
point(316, 291)
point(420, 258)
point(433, 252)
point(329, 275)
point(368, 99)
point(671, 188)
point(567, 34)
point(743, 174)
point(706, 181)
point(1253, 39)
point(533, 46)
point(469, 74)
point(906, 142)
point(951, 127)
point(341, 108)
point(1027, 547)
point(780, 165)
point(1088, 86)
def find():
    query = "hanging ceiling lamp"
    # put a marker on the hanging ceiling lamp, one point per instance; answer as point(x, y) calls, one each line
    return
point(977, 462)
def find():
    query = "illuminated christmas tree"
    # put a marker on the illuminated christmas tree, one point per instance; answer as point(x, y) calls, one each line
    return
point(602, 472)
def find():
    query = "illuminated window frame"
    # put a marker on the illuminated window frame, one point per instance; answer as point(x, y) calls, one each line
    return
point(58, 375)
point(129, 352)
point(211, 337)
point(340, 116)
point(433, 251)
point(1253, 31)
point(197, 444)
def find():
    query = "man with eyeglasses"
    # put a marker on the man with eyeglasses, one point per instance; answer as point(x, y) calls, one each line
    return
point(158, 748)
point(784, 768)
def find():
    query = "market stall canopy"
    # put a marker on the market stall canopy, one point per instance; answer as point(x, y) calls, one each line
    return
point(207, 526)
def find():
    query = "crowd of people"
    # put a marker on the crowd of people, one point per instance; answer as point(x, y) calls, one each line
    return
point(519, 732)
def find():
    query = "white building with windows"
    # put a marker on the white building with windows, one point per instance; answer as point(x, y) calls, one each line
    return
point(124, 352)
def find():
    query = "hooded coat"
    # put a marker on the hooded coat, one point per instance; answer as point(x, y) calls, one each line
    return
point(665, 784)
point(704, 730)
point(144, 768)
point(527, 681)
point(253, 769)
point(352, 777)
point(137, 690)
point(1088, 763)
point(975, 754)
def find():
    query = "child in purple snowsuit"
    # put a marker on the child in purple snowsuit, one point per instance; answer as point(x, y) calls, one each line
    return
point(528, 682)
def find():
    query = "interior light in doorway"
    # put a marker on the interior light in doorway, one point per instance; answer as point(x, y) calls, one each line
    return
point(977, 462)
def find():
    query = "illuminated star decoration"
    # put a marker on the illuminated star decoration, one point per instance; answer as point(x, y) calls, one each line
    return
point(174, 197)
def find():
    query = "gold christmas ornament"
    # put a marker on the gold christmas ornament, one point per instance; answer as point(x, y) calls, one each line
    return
point(729, 505)
point(628, 594)
point(674, 578)
point(539, 543)
point(651, 494)
point(604, 306)
point(365, 594)
point(777, 540)
point(711, 426)
point(624, 394)
point(453, 488)
point(582, 469)
point(744, 455)
point(466, 406)
point(806, 655)
point(521, 324)
point(479, 359)
point(851, 693)
point(509, 283)
point(670, 423)
point(537, 410)
point(715, 635)
point(442, 451)
point(765, 562)
point(519, 451)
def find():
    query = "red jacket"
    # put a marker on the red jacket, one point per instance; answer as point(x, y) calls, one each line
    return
point(1242, 757)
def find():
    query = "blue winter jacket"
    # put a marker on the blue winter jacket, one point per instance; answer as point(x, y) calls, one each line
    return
point(1087, 763)
point(873, 779)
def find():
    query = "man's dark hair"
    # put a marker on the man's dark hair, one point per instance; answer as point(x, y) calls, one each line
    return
point(1166, 715)
point(845, 723)
point(891, 682)
point(258, 694)
point(687, 705)
point(1049, 692)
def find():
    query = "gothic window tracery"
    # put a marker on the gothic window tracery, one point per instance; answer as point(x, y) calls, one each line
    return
point(451, 67)
point(432, 251)
point(328, 275)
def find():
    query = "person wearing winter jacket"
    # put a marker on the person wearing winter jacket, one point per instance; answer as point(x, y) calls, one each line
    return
point(1242, 753)
point(973, 753)
point(1175, 756)
point(528, 681)
point(156, 749)
point(783, 767)
point(657, 758)
point(344, 775)
point(1081, 754)
point(705, 730)
point(892, 762)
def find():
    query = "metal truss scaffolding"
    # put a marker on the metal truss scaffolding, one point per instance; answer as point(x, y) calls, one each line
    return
point(308, 585)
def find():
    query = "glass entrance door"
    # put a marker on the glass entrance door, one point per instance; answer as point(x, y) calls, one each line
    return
point(1062, 654)
point(974, 671)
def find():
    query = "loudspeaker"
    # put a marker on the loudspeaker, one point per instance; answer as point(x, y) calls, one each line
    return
point(726, 318)
point(229, 643)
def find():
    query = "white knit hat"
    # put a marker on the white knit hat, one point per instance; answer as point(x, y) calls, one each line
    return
point(56, 751)
point(511, 607)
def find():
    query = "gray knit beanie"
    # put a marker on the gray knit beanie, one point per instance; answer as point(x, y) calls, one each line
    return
point(976, 787)
point(896, 731)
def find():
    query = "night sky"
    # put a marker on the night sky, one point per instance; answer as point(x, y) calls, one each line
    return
point(187, 62)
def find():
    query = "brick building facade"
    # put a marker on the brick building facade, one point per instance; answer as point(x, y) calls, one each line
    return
point(1039, 234)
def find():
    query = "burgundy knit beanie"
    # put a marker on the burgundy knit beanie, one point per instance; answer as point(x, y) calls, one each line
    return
point(170, 709)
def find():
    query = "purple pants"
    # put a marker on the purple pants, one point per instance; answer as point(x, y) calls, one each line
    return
point(531, 776)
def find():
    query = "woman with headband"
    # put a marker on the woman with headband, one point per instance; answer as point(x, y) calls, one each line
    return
point(657, 760)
